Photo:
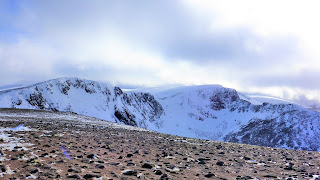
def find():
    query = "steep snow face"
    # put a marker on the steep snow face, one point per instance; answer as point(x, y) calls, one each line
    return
point(87, 98)
point(209, 112)
point(295, 129)
point(218, 113)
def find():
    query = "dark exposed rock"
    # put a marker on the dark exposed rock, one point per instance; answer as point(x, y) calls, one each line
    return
point(90, 176)
point(3, 168)
point(125, 116)
point(91, 156)
point(270, 176)
point(129, 155)
point(44, 155)
point(34, 171)
point(202, 162)
point(164, 177)
point(220, 163)
point(117, 91)
point(209, 175)
point(130, 164)
point(204, 159)
point(75, 176)
point(36, 99)
point(100, 166)
point(147, 165)
point(157, 172)
point(130, 172)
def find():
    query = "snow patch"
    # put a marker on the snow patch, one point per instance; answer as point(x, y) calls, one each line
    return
point(8, 142)
point(20, 127)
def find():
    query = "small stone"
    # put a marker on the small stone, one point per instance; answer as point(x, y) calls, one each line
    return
point(164, 177)
point(44, 155)
point(100, 166)
point(34, 171)
point(147, 165)
point(114, 163)
point(91, 156)
point(202, 162)
point(220, 163)
point(209, 175)
point(90, 176)
point(288, 168)
point(270, 176)
point(75, 176)
point(247, 177)
point(157, 172)
point(130, 172)
point(129, 155)
point(130, 164)
point(3, 168)
point(204, 159)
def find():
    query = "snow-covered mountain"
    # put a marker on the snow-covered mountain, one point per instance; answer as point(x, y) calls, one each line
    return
point(208, 111)
point(87, 98)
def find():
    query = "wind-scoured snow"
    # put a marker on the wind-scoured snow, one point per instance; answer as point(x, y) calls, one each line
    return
point(260, 99)
point(8, 142)
point(21, 127)
point(207, 111)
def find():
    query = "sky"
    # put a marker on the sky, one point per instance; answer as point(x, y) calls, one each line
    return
point(267, 46)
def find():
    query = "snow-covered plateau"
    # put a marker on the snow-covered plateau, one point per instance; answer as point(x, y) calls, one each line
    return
point(207, 111)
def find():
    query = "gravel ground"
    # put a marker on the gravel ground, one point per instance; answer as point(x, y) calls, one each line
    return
point(57, 145)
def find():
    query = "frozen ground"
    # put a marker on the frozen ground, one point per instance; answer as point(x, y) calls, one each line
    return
point(71, 146)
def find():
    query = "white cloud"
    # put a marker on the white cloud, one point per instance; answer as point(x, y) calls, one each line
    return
point(232, 43)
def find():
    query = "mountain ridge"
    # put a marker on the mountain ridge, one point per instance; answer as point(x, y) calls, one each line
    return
point(208, 112)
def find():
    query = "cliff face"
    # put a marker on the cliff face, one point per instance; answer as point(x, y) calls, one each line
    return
point(209, 112)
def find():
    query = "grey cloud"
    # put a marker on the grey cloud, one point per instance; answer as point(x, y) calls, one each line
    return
point(166, 26)
point(308, 79)
point(126, 77)
point(230, 47)
point(302, 99)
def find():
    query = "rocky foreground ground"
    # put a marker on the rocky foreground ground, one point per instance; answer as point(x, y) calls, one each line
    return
point(55, 145)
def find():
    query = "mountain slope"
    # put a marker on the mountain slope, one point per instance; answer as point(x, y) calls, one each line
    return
point(88, 98)
point(209, 112)
point(37, 144)
point(215, 112)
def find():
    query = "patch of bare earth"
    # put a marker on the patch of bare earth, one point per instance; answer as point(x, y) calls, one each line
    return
point(67, 147)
